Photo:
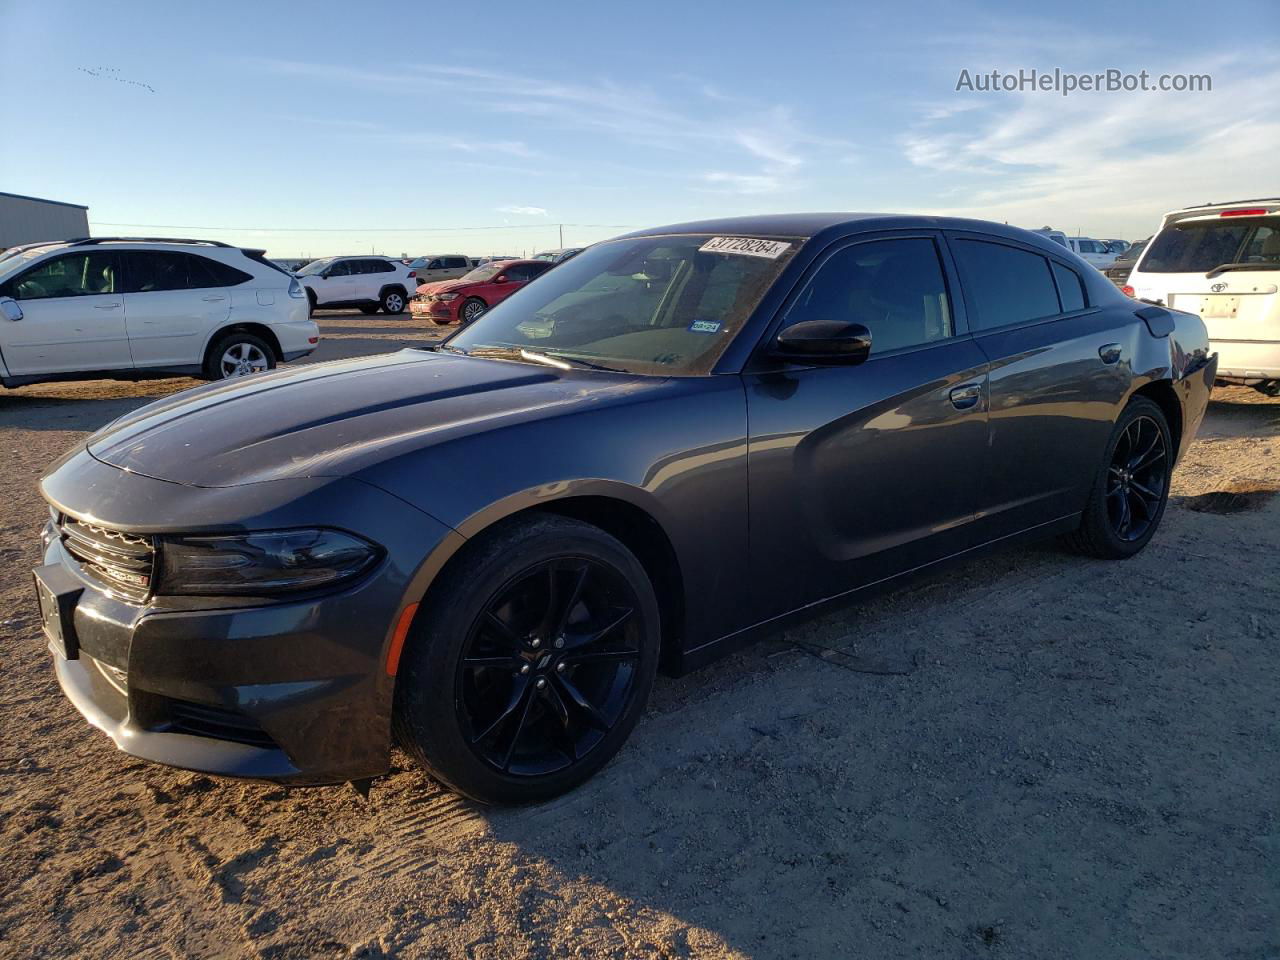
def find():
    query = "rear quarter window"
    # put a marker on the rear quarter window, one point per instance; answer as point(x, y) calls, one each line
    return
point(1070, 288)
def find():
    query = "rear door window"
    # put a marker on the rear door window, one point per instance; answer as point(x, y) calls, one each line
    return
point(1004, 285)
point(154, 271)
point(1200, 245)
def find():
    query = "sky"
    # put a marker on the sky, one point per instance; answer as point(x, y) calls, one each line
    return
point(320, 128)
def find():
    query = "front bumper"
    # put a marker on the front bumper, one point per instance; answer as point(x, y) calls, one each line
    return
point(440, 311)
point(291, 690)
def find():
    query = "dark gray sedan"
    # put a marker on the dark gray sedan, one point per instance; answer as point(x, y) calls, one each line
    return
point(666, 446)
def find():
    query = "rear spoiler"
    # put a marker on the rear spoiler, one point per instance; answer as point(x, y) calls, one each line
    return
point(261, 257)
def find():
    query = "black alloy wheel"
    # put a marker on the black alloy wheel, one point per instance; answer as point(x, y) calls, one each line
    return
point(1137, 478)
point(530, 661)
point(1130, 491)
point(472, 309)
point(549, 666)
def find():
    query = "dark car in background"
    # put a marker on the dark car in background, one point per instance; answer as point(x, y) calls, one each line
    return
point(1118, 272)
point(674, 443)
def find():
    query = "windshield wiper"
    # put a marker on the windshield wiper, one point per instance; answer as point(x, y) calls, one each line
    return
point(560, 360)
point(516, 353)
point(1254, 265)
point(442, 347)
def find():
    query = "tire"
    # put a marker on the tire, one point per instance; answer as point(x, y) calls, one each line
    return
point(530, 716)
point(238, 355)
point(1129, 483)
point(311, 299)
point(393, 301)
point(368, 309)
point(471, 310)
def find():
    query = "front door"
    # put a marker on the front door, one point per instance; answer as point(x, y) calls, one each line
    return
point(73, 317)
point(860, 472)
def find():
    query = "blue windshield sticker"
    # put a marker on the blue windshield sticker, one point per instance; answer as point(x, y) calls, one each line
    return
point(705, 326)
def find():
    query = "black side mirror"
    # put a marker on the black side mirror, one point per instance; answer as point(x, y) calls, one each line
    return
point(824, 341)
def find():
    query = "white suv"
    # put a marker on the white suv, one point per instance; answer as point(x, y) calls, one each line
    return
point(125, 309)
point(368, 283)
point(1222, 261)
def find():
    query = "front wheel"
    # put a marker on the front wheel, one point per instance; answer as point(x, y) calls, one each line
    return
point(532, 675)
point(1131, 490)
point(472, 309)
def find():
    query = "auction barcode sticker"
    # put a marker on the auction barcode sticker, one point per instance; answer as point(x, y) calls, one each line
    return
point(746, 246)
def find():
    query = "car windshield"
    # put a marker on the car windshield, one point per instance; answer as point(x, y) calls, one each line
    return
point(315, 266)
point(1198, 246)
point(11, 261)
point(480, 274)
point(666, 305)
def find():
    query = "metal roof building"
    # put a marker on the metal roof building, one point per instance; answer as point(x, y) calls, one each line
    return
point(30, 219)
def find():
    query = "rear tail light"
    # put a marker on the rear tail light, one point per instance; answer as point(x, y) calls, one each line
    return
point(1244, 212)
point(412, 274)
point(1127, 290)
point(295, 289)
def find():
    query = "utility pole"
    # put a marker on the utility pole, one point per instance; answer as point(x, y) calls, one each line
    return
point(561, 236)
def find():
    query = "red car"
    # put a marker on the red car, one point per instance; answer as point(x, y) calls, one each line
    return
point(464, 299)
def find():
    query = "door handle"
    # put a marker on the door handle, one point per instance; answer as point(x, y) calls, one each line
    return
point(962, 398)
point(1110, 352)
point(106, 306)
point(213, 299)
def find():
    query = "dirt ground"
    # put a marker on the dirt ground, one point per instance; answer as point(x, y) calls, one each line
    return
point(1056, 758)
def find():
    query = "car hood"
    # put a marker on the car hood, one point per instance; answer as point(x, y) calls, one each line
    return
point(450, 286)
point(336, 419)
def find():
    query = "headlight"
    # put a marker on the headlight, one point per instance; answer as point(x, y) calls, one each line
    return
point(446, 297)
point(256, 563)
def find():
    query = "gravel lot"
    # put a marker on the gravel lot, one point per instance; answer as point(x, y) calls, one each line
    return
point(1051, 757)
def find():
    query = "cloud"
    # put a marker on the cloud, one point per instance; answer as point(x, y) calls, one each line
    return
point(1108, 163)
point(524, 211)
point(752, 147)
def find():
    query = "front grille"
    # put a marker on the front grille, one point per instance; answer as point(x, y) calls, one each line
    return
point(122, 562)
point(201, 720)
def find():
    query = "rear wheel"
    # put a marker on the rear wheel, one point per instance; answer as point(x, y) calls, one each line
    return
point(238, 355)
point(393, 301)
point(1131, 491)
point(533, 674)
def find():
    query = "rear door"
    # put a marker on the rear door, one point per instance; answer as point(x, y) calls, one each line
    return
point(173, 301)
point(860, 472)
point(1060, 368)
point(73, 316)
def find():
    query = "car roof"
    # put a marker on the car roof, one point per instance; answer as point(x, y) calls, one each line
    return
point(817, 226)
